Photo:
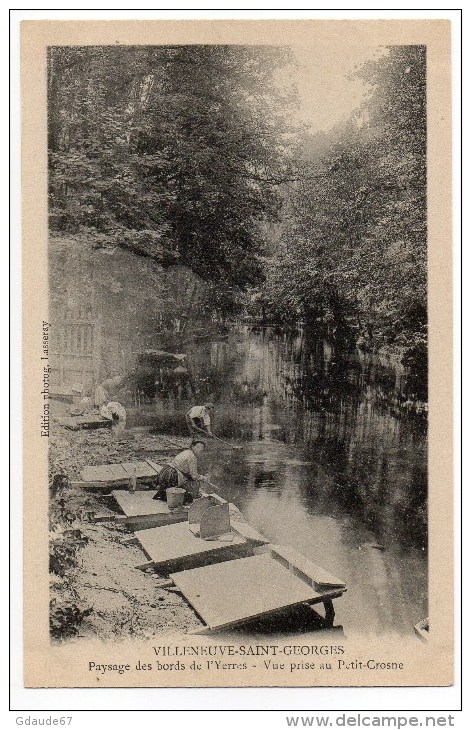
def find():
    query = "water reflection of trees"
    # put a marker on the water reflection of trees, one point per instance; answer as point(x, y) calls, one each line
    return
point(282, 387)
point(378, 466)
point(387, 492)
point(344, 411)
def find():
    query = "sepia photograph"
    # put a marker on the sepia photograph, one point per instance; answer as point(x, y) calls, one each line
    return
point(235, 359)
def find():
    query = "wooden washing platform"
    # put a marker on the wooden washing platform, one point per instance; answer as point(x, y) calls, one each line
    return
point(175, 547)
point(230, 593)
point(211, 515)
point(107, 476)
point(141, 510)
point(210, 534)
point(75, 423)
point(226, 570)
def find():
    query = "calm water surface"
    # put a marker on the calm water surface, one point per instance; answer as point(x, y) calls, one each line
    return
point(330, 466)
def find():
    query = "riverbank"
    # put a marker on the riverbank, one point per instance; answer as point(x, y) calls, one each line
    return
point(328, 467)
point(96, 591)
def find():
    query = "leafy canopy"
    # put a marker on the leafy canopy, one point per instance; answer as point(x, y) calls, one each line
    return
point(174, 152)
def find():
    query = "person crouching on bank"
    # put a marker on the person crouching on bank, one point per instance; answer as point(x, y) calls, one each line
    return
point(198, 419)
point(183, 472)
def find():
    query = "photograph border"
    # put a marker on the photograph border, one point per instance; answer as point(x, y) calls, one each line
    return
point(316, 686)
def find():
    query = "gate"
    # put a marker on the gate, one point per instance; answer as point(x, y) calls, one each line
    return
point(75, 349)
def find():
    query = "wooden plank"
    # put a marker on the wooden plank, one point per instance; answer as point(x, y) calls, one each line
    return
point(320, 578)
point(215, 521)
point(176, 542)
point(100, 517)
point(143, 469)
point(100, 486)
point(238, 522)
point(229, 593)
point(118, 471)
point(103, 473)
point(78, 422)
point(217, 499)
point(128, 467)
point(240, 525)
point(156, 467)
point(145, 522)
point(199, 507)
point(150, 470)
point(139, 503)
point(142, 503)
point(100, 473)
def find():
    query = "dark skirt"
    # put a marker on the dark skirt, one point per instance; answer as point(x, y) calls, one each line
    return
point(168, 477)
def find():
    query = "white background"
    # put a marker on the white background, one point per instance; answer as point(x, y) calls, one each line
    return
point(268, 707)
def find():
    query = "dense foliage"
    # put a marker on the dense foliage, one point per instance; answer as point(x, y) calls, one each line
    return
point(187, 155)
point(352, 253)
point(66, 610)
point(173, 152)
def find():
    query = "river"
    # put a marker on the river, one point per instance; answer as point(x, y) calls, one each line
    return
point(330, 465)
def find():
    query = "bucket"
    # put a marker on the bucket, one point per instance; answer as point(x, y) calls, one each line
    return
point(175, 497)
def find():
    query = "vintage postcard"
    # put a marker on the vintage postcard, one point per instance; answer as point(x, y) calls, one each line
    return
point(237, 353)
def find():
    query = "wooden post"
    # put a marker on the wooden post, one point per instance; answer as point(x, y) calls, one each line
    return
point(329, 612)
